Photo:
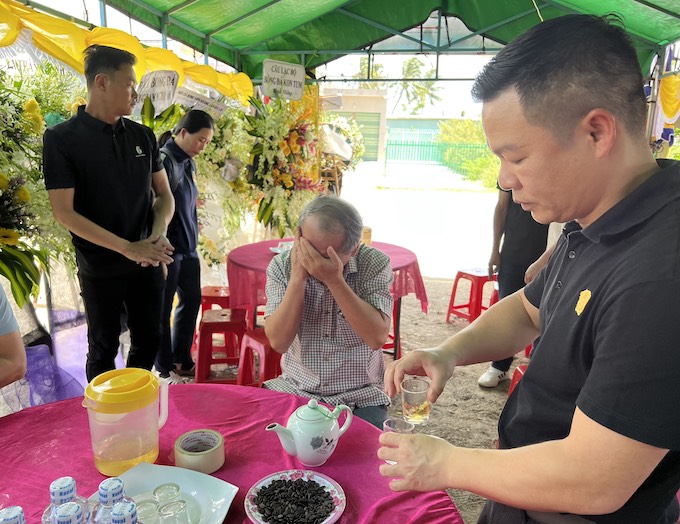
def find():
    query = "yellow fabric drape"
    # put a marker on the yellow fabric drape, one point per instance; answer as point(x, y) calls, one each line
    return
point(120, 40)
point(159, 59)
point(66, 42)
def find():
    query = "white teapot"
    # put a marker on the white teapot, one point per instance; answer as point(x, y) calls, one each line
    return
point(312, 432)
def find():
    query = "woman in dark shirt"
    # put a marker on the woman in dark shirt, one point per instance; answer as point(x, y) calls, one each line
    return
point(191, 135)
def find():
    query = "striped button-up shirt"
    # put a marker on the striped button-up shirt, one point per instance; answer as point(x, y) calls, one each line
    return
point(328, 361)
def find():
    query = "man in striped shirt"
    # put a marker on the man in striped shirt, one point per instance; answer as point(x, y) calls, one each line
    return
point(328, 311)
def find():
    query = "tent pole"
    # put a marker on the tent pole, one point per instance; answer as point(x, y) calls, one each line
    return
point(102, 13)
point(652, 107)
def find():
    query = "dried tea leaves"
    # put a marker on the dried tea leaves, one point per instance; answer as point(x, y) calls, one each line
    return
point(294, 502)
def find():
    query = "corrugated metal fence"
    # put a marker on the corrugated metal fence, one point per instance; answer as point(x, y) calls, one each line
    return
point(420, 146)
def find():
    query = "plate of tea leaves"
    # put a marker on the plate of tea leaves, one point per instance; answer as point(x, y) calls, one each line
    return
point(295, 496)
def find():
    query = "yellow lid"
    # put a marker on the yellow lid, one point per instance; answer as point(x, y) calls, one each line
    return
point(121, 391)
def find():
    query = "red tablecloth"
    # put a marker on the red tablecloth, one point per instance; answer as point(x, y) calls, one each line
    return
point(247, 267)
point(43, 443)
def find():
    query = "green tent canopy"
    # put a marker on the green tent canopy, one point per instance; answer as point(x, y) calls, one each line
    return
point(243, 33)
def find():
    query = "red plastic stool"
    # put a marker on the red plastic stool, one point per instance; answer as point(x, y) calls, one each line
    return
point(231, 324)
point(492, 300)
point(269, 366)
point(471, 309)
point(214, 295)
point(393, 344)
point(516, 377)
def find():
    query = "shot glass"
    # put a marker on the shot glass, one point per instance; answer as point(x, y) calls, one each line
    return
point(414, 403)
point(397, 425)
point(147, 512)
point(174, 512)
point(166, 493)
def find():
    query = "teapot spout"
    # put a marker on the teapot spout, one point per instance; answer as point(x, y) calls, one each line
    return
point(285, 436)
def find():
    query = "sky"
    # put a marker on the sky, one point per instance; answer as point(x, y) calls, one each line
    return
point(455, 94)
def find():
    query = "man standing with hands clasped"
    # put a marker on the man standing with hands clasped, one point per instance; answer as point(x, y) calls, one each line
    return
point(107, 186)
point(592, 431)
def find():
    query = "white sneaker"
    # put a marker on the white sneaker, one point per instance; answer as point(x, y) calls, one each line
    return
point(174, 378)
point(492, 377)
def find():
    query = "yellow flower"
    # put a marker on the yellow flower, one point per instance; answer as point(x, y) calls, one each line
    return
point(293, 138)
point(80, 101)
point(22, 195)
point(31, 106)
point(34, 122)
point(295, 148)
point(285, 148)
point(8, 237)
point(4, 182)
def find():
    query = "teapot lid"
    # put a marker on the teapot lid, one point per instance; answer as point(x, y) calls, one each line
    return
point(313, 412)
point(121, 390)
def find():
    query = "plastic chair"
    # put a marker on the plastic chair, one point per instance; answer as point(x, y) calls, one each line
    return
point(393, 344)
point(516, 377)
point(231, 325)
point(471, 309)
point(269, 361)
point(214, 295)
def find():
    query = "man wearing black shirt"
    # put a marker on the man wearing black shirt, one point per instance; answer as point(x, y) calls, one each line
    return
point(591, 434)
point(107, 186)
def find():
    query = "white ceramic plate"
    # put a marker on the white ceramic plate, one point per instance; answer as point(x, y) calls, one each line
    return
point(293, 474)
point(208, 498)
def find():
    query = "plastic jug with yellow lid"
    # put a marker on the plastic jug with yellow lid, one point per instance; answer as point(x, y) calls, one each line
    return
point(123, 410)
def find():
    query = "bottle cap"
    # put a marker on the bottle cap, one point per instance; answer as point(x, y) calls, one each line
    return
point(111, 491)
point(124, 513)
point(12, 515)
point(62, 490)
point(69, 513)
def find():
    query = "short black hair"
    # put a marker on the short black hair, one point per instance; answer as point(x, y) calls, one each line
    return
point(105, 59)
point(563, 68)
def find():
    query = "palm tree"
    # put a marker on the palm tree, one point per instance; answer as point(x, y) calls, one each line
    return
point(416, 92)
point(377, 71)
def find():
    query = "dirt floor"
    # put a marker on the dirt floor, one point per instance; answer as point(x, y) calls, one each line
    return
point(466, 414)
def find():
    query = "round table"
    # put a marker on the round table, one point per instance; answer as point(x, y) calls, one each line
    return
point(45, 442)
point(247, 274)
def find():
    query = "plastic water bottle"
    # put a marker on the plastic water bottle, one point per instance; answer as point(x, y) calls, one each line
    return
point(111, 492)
point(12, 515)
point(63, 490)
point(124, 513)
point(68, 513)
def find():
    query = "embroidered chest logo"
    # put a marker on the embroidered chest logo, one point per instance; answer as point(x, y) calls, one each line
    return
point(140, 153)
point(583, 299)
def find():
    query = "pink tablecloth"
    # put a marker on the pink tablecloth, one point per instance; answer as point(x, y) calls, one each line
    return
point(247, 266)
point(43, 443)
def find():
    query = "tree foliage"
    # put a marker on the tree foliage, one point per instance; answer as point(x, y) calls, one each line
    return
point(377, 72)
point(416, 92)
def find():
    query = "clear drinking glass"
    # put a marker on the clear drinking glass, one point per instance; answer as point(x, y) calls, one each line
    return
point(397, 425)
point(174, 513)
point(414, 403)
point(166, 493)
point(147, 512)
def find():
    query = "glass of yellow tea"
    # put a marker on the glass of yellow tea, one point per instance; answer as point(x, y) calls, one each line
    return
point(414, 403)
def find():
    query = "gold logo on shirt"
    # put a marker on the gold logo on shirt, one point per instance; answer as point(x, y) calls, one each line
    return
point(583, 299)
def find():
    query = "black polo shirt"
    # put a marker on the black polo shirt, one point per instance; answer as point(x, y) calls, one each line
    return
point(610, 339)
point(110, 169)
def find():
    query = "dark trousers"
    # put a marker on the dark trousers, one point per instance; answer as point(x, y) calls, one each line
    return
point(496, 513)
point(510, 279)
point(184, 278)
point(140, 295)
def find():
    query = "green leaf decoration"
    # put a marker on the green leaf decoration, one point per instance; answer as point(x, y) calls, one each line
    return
point(148, 113)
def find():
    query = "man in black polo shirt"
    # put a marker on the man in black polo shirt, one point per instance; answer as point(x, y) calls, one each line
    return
point(107, 185)
point(592, 432)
